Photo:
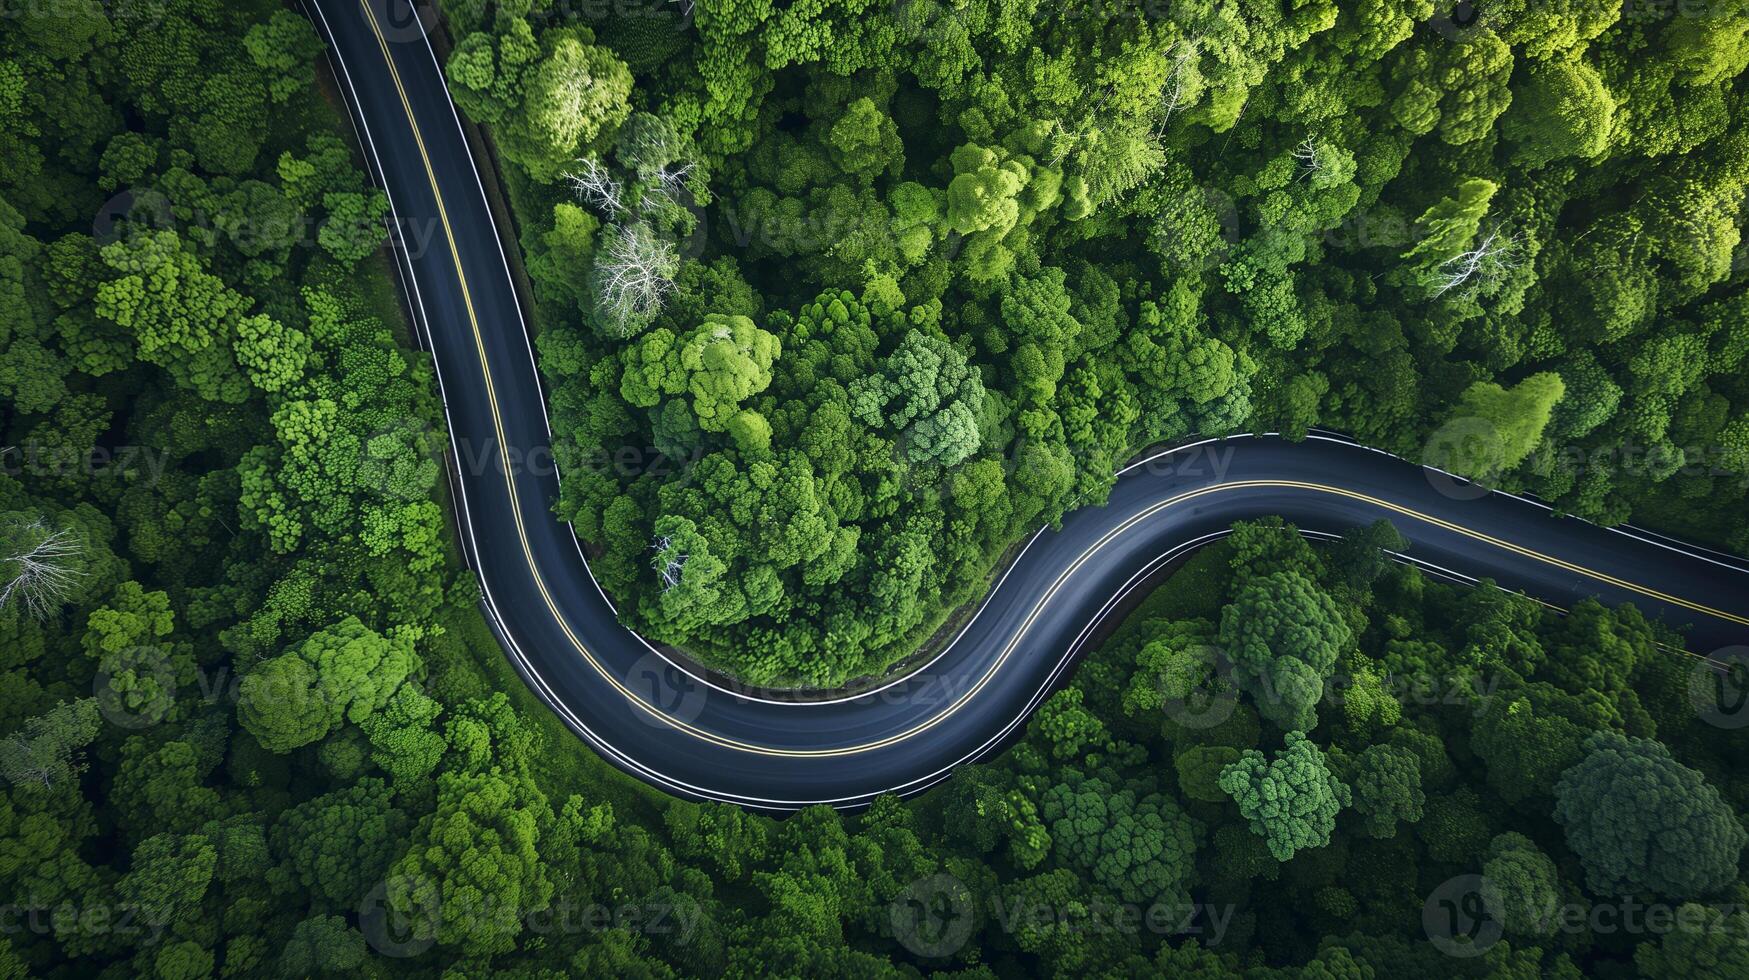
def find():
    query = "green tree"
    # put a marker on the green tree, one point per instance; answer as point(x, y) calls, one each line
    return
point(1562, 110)
point(180, 316)
point(550, 98)
point(474, 870)
point(1068, 725)
point(283, 46)
point(322, 944)
point(983, 194)
point(45, 752)
point(1527, 737)
point(1461, 88)
point(928, 394)
point(138, 665)
point(340, 843)
point(720, 363)
point(281, 703)
point(1520, 881)
point(1283, 634)
point(273, 355)
point(1642, 822)
point(1494, 428)
point(170, 874)
point(341, 674)
point(1386, 780)
point(1199, 771)
point(1290, 801)
point(353, 228)
point(1141, 848)
point(403, 743)
point(1445, 256)
point(1711, 947)
point(732, 840)
point(865, 142)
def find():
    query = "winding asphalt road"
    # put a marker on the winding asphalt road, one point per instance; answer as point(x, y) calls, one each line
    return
point(689, 737)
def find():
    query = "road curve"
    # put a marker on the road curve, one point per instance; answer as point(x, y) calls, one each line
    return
point(690, 738)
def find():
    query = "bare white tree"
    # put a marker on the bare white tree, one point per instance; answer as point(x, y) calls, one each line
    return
point(634, 270)
point(661, 162)
point(37, 565)
point(1494, 256)
point(1183, 53)
point(668, 564)
point(45, 751)
point(665, 191)
point(1311, 160)
point(672, 177)
point(595, 186)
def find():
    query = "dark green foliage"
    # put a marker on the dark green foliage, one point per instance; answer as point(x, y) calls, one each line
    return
point(1283, 633)
point(1521, 882)
point(1140, 849)
point(1386, 780)
point(1291, 800)
point(1643, 822)
point(339, 844)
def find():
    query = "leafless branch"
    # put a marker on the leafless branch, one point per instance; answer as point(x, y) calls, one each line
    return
point(1307, 153)
point(1182, 52)
point(634, 270)
point(595, 186)
point(672, 177)
point(1494, 256)
point(40, 565)
point(668, 565)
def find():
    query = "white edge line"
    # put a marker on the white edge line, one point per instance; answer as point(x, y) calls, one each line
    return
point(919, 783)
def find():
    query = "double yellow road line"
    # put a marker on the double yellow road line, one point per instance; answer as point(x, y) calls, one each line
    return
point(1013, 644)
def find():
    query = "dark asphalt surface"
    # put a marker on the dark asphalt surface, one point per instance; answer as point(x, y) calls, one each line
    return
point(658, 723)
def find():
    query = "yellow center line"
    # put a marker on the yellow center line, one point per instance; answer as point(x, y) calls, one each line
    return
point(1014, 642)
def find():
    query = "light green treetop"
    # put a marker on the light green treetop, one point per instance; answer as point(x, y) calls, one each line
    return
point(1292, 800)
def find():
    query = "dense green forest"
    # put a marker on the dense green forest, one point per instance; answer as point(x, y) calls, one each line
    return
point(883, 287)
point(255, 726)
